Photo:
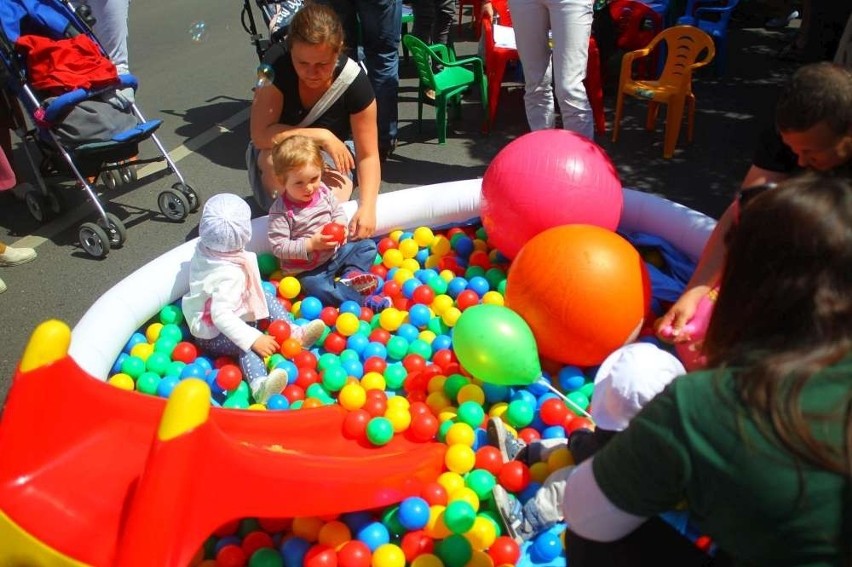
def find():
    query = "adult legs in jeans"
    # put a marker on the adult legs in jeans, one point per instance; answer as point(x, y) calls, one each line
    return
point(571, 24)
point(320, 282)
point(381, 26)
point(433, 20)
point(250, 362)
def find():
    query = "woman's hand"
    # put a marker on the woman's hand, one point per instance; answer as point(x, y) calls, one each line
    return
point(487, 10)
point(265, 345)
point(344, 161)
point(363, 223)
point(669, 326)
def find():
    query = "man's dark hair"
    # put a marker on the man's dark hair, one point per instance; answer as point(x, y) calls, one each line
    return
point(819, 92)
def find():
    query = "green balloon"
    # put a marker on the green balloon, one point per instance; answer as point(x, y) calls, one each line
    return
point(496, 346)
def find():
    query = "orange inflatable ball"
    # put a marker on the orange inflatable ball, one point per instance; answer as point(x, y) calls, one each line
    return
point(583, 290)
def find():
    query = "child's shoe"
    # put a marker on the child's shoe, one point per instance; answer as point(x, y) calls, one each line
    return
point(518, 526)
point(378, 303)
point(265, 387)
point(364, 283)
point(311, 333)
point(511, 448)
point(16, 256)
point(2, 286)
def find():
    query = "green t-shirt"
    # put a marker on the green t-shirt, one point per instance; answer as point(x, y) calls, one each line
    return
point(695, 442)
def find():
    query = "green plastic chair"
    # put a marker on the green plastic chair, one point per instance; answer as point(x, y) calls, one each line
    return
point(449, 83)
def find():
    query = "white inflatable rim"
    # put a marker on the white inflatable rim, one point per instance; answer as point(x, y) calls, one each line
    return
point(100, 335)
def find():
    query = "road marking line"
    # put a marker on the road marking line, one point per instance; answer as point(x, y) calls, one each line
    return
point(71, 217)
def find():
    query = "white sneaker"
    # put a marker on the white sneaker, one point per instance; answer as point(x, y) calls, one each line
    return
point(265, 387)
point(2, 286)
point(15, 256)
point(311, 333)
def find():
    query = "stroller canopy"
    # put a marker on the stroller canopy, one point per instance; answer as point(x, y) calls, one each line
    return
point(41, 17)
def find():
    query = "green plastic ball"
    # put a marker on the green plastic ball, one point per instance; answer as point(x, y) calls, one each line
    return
point(266, 557)
point(171, 315)
point(275, 360)
point(158, 362)
point(333, 378)
point(520, 413)
point(147, 383)
point(454, 551)
point(390, 519)
point(580, 399)
point(395, 375)
point(379, 431)
point(495, 277)
point(266, 263)
point(420, 348)
point(397, 347)
point(459, 516)
point(453, 384)
point(165, 346)
point(248, 525)
point(437, 326)
point(442, 430)
point(481, 482)
point(471, 413)
point(438, 285)
point(175, 368)
point(133, 366)
point(588, 389)
point(474, 271)
point(327, 360)
point(170, 332)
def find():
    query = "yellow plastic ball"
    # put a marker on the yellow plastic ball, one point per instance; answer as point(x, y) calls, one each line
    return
point(257, 407)
point(447, 275)
point(347, 324)
point(449, 413)
point(395, 235)
point(493, 298)
point(152, 333)
point(297, 309)
point(307, 528)
point(560, 458)
point(427, 336)
point(460, 433)
point(424, 236)
point(289, 287)
point(466, 494)
point(352, 396)
point(388, 555)
point(450, 316)
point(122, 381)
point(392, 258)
point(373, 381)
point(402, 275)
point(471, 393)
point(436, 527)
point(498, 409)
point(142, 350)
point(441, 245)
point(400, 419)
point(451, 481)
point(277, 275)
point(482, 535)
point(400, 402)
point(411, 265)
point(436, 383)
point(334, 534)
point(539, 472)
point(409, 248)
point(427, 560)
point(432, 261)
point(391, 319)
point(460, 458)
point(437, 401)
point(441, 303)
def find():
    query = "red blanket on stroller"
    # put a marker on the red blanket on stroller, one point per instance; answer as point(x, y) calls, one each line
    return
point(61, 65)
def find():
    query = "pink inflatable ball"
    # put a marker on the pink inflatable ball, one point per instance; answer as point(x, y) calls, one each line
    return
point(544, 179)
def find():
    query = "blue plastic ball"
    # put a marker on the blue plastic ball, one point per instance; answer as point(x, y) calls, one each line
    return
point(479, 285)
point(409, 286)
point(292, 370)
point(554, 432)
point(116, 366)
point(546, 547)
point(422, 255)
point(463, 246)
point(413, 513)
point(456, 285)
point(408, 331)
point(135, 339)
point(293, 550)
point(419, 315)
point(350, 307)
point(373, 535)
point(355, 521)
point(277, 402)
point(374, 349)
point(193, 370)
point(269, 288)
point(353, 368)
point(357, 342)
point(166, 385)
point(493, 392)
point(311, 307)
point(442, 342)
point(571, 378)
point(204, 362)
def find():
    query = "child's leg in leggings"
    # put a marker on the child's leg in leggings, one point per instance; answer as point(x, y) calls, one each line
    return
point(251, 364)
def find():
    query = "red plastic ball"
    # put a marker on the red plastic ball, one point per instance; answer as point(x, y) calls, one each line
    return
point(229, 377)
point(256, 540)
point(391, 288)
point(221, 361)
point(231, 555)
point(423, 427)
point(355, 424)
point(504, 551)
point(435, 494)
point(334, 343)
point(416, 543)
point(328, 315)
point(280, 330)
point(336, 231)
point(576, 422)
point(379, 270)
point(305, 359)
point(467, 298)
point(419, 408)
point(385, 244)
point(306, 377)
point(442, 358)
point(423, 294)
point(514, 476)
point(366, 314)
point(293, 393)
point(185, 352)
point(402, 303)
point(553, 411)
point(415, 382)
point(490, 459)
point(376, 406)
point(479, 258)
point(320, 555)
point(375, 364)
point(528, 435)
point(354, 553)
point(414, 362)
point(380, 335)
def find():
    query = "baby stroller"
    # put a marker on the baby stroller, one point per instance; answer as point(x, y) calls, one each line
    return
point(82, 126)
point(276, 17)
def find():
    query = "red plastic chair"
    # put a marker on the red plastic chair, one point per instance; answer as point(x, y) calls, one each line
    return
point(636, 25)
point(476, 7)
point(496, 59)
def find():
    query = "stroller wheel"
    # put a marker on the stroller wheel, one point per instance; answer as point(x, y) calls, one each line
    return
point(56, 201)
point(94, 240)
point(190, 195)
point(173, 204)
point(115, 230)
point(38, 206)
point(111, 179)
point(128, 174)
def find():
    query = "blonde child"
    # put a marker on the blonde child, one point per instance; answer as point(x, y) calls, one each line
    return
point(331, 270)
point(226, 298)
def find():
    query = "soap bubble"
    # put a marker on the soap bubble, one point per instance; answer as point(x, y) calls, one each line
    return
point(198, 31)
point(265, 75)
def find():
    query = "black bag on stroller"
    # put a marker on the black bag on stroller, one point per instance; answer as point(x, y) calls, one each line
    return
point(276, 17)
point(55, 67)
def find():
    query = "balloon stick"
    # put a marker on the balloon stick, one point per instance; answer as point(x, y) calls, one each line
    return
point(570, 402)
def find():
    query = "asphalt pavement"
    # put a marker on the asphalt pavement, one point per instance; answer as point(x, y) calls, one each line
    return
point(196, 68)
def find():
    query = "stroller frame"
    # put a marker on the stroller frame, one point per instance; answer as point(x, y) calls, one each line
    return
point(269, 9)
point(107, 160)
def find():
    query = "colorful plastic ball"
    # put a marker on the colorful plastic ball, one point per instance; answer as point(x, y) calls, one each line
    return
point(434, 493)
point(454, 551)
point(424, 236)
point(504, 551)
point(460, 433)
point(575, 181)
point(355, 424)
point(603, 295)
point(133, 366)
point(482, 535)
point(185, 352)
point(459, 516)
point(415, 544)
point(122, 381)
point(354, 553)
point(142, 350)
point(460, 458)
point(520, 413)
point(373, 535)
point(546, 547)
point(147, 382)
point(413, 513)
point(347, 324)
point(166, 385)
point(479, 285)
point(171, 315)
point(553, 411)
point(570, 378)
point(423, 427)
point(311, 308)
point(289, 287)
point(352, 396)
point(514, 476)
point(399, 418)
point(320, 556)
point(481, 481)
point(229, 377)
point(388, 554)
point(379, 431)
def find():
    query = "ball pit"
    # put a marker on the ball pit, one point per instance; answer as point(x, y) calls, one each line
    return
point(460, 528)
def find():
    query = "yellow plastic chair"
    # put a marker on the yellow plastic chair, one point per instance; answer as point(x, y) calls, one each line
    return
point(687, 48)
point(455, 78)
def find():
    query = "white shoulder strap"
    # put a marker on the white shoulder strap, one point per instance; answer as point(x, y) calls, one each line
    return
point(337, 88)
